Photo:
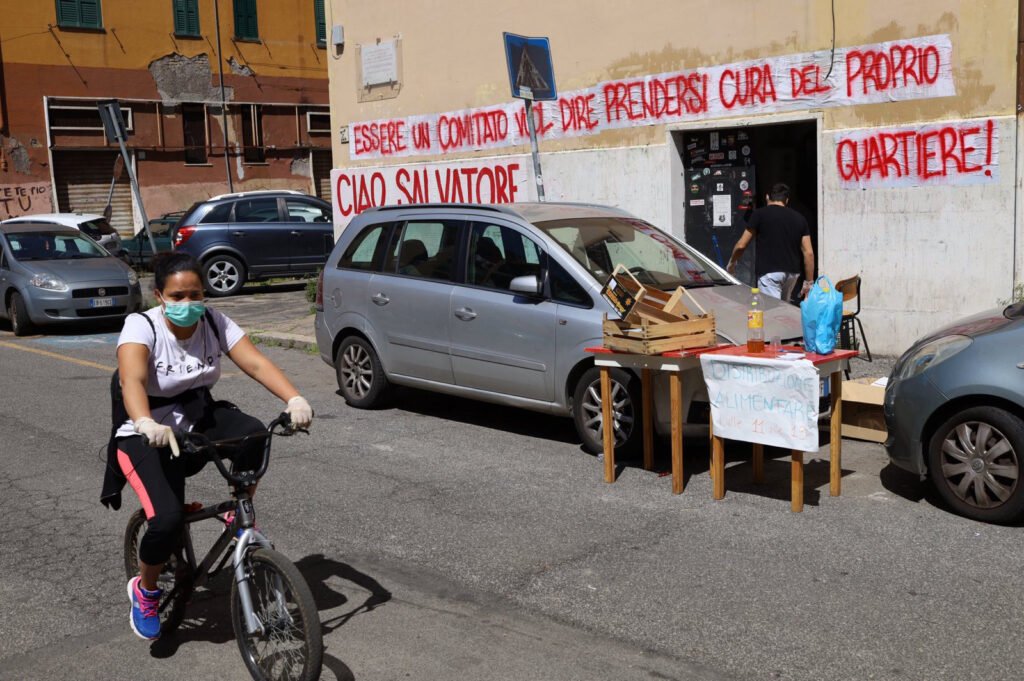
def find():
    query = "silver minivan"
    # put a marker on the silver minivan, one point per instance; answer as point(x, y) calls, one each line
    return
point(499, 303)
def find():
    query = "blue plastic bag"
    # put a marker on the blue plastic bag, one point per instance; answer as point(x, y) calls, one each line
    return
point(821, 313)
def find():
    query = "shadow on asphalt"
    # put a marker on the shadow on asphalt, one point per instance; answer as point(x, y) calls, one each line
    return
point(208, 618)
point(483, 414)
point(76, 328)
point(909, 486)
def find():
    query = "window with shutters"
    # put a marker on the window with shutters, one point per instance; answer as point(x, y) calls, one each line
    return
point(252, 134)
point(321, 23)
point(186, 18)
point(246, 26)
point(193, 122)
point(79, 14)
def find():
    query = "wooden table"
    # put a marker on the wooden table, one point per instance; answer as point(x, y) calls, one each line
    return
point(830, 365)
point(674, 363)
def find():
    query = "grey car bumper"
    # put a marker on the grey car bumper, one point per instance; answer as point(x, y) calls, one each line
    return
point(907, 407)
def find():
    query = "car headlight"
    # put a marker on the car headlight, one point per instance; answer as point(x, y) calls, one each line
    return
point(931, 354)
point(48, 282)
point(133, 278)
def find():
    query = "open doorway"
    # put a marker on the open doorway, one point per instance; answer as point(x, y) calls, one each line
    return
point(729, 170)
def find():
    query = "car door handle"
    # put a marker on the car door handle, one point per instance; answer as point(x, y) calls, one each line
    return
point(293, 233)
point(465, 314)
point(380, 299)
point(237, 233)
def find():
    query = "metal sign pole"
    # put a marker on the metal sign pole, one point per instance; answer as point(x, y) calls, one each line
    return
point(135, 190)
point(534, 151)
point(114, 129)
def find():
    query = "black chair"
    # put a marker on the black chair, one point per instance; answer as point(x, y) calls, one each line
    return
point(851, 329)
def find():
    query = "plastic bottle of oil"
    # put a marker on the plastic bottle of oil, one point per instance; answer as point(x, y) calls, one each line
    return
point(755, 322)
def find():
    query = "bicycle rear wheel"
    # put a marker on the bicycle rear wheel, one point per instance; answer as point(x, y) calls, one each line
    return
point(290, 645)
point(175, 574)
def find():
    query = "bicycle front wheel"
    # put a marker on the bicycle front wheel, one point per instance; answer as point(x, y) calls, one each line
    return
point(290, 644)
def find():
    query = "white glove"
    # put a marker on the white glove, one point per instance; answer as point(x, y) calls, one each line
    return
point(299, 411)
point(157, 434)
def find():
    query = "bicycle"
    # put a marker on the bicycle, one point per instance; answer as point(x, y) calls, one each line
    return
point(273, 614)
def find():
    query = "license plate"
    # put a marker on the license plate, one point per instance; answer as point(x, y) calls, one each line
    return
point(824, 389)
point(101, 302)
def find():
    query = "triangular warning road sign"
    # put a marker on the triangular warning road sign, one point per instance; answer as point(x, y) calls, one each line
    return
point(528, 75)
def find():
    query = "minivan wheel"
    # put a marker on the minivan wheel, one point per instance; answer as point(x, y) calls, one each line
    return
point(974, 462)
point(21, 325)
point(223, 275)
point(361, 377)
point(587, 415)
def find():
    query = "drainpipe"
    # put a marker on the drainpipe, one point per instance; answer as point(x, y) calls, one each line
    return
point(223, 98)
point(1017, 226)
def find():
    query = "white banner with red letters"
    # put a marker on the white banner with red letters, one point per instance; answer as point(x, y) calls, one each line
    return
point(504, 179)
point(916, 68)
point(947, 153)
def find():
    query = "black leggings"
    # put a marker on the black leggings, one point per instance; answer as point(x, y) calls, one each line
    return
point(159, 479)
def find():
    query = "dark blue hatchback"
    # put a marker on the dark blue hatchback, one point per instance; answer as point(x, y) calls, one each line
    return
point(253, 235)
point(954, 408)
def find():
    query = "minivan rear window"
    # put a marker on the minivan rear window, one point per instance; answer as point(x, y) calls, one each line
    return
point(360, 253)
point(602, 243)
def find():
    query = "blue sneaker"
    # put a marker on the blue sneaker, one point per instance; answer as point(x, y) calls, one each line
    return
point(145, 613)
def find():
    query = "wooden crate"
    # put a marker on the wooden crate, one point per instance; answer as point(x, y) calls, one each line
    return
point(654, 338)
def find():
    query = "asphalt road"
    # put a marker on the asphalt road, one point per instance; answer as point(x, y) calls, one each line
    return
point(450, 539)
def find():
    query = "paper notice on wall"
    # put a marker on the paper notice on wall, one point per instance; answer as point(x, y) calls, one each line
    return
point(721, 205)
point(768, 401)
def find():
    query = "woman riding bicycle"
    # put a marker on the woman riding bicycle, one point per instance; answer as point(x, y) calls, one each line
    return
point(168, 358)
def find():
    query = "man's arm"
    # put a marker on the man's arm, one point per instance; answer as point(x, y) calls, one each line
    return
point(808, 251)
point(741, 245)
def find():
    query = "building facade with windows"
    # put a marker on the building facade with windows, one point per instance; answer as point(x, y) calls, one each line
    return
point(895, 125)
point(162, 60)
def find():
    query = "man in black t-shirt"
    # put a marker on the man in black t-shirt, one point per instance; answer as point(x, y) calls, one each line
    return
point(783, 245)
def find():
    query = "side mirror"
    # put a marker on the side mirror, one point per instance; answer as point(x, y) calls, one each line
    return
point(528, 284)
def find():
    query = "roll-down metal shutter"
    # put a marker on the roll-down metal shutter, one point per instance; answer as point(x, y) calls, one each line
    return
point(322, 174)
point(83, 181)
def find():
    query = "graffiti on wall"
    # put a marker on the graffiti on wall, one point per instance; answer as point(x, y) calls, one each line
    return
point(25, 199)
point(917, 68)
point(948, 153)
point(504, 180)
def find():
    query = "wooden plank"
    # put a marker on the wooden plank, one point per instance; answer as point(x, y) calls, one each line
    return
point(650, 331)
point(647, 405)
point(797, 482)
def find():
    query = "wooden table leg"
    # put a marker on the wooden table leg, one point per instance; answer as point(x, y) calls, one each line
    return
point(647, 406)
point(758, 463)
point(711, 446)
point(608, 425)
point(718, 467)
point(676, 405)
point(835, 450)
point(798, 481)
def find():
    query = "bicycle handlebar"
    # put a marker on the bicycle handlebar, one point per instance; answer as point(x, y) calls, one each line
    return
point(197, 443)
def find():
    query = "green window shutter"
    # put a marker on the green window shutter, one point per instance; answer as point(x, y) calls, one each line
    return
point(246, 26)
point(89, 14)
point(321, 22)
point(67, 13)
point(79, 13)
point(186, 17)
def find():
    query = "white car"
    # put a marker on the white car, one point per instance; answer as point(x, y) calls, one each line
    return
point(94, 226)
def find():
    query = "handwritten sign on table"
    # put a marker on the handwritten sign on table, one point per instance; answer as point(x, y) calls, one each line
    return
point(768, 401)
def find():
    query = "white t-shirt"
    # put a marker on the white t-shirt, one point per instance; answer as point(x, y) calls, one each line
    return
point(176, 366)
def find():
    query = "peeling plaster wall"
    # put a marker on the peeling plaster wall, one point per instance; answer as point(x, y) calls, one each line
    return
point(185, 79)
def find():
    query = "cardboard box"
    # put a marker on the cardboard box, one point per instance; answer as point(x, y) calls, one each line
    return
point(862, 410)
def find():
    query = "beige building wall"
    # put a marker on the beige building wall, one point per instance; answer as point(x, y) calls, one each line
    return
point(926, 254)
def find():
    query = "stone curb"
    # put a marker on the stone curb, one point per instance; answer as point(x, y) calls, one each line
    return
point(297, 341)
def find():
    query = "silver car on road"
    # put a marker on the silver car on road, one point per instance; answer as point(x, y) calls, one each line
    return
point(50, 274)
point(498, 303)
